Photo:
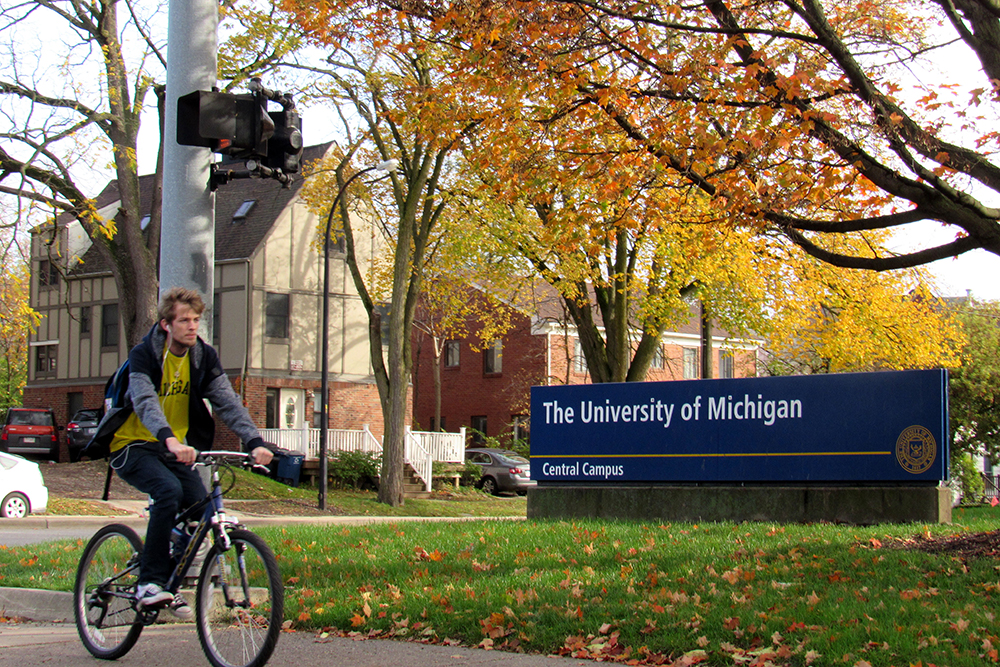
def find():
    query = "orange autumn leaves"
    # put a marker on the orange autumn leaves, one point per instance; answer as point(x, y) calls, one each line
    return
point(650, 595)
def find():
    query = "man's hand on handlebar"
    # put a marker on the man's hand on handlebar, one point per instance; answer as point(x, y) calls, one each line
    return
point(184, 454)
point(262, 456)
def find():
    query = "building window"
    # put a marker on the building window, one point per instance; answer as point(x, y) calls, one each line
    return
point(579, 359)
point(271, 408)
point(48, 273)
point(451, 349)
point(522, 429)
point(726, 363)
point(493, 358)
point(690, 363)
point(85, 320)
point(658, 358)
point(478, 428)
point(244, 210)
point(109, 325)
point(45, 359)
point(277, 309)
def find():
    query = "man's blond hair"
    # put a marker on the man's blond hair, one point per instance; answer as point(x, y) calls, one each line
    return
point(175, 295)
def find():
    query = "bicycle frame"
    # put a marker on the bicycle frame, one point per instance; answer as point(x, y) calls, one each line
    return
point(213, 518)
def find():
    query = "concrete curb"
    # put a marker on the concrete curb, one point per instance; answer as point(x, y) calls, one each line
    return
point(35, 604)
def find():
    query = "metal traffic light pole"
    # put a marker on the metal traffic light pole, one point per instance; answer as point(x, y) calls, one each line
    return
point(187, 235)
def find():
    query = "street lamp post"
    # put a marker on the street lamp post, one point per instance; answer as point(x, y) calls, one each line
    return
point(324, 419)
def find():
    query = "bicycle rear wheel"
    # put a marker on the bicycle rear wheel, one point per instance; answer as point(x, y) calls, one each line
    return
point(104, 591)
point(240, 602)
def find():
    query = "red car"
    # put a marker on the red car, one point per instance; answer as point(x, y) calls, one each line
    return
point(31, 432)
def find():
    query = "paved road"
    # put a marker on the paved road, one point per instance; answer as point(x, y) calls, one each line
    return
point(57, 645)
point(20, 537)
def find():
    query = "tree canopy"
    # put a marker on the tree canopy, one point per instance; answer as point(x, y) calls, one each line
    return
point(772, 109)
point(385, 89)
point(17, 320)
point(974, 401)
point(72, 93)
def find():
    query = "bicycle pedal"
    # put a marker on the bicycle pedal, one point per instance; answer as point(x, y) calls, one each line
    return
point(147, 616)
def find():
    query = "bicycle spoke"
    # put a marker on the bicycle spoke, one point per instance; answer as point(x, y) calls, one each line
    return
point(240, 603)
point(104, 592)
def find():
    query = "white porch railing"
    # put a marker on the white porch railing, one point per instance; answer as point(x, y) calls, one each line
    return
point(448, 447)
point(421, 450)
point(306, 440)
point(419, 458)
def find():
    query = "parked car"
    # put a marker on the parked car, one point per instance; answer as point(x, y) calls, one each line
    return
point(502, 470)
point(21, 487)
point(31, 432)
point(80, 429)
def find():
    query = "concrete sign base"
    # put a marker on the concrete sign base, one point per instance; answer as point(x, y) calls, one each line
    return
point(783, 504)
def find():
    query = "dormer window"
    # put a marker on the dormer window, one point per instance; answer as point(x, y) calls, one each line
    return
point(244, 210)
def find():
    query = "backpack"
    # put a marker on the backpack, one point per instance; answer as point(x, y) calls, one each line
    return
point(116, 389)
point(117, 408)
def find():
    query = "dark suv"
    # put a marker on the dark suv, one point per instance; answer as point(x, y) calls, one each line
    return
point(31, 432)
point(80, 429)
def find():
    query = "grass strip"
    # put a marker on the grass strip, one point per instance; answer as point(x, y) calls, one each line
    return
point(638, 593)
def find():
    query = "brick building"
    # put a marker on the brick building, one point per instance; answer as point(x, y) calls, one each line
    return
point(265, 313)
point(488, 390)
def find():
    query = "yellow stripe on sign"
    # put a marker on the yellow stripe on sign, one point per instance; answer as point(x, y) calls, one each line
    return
point(710, 456)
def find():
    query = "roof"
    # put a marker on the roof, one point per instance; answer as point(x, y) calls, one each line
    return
point(232, 240)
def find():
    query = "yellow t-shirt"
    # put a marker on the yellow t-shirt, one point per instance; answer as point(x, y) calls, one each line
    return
point(175, 396)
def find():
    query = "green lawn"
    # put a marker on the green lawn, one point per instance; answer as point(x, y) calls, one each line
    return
point(644, 593)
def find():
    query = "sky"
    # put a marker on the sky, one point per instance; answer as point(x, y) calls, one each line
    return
point(976, 272)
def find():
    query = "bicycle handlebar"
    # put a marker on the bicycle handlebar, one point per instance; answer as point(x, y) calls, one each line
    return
point(208, 457)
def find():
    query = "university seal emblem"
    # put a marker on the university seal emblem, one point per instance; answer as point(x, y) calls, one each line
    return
point(916, 449)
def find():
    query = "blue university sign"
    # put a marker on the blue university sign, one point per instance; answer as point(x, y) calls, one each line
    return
point(851, 427)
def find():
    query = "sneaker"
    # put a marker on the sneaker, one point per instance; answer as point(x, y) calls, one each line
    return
point(180, 608)
point(151, 595)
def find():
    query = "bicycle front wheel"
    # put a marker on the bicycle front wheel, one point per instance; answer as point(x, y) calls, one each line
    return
point(104, 591)
point(240, 602)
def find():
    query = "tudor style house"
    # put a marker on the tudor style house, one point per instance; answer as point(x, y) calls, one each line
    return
point(488, 390)
point(266, 312)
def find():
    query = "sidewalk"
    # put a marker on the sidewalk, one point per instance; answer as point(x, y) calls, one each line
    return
point(136, 516)
point(57, 645)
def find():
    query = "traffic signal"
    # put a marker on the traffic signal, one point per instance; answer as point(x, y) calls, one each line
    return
point(284, 148)
point(231, 124)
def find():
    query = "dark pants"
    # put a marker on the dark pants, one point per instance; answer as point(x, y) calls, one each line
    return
point(172, 486)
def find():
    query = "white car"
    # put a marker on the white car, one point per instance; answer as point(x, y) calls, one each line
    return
point(21, 486)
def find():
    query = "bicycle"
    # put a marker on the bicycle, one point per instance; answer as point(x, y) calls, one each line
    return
point(239, 597)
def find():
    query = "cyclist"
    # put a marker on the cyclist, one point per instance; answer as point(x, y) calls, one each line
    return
point(171, 373)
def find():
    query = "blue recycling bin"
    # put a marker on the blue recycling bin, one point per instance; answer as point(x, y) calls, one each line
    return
point(287, 466)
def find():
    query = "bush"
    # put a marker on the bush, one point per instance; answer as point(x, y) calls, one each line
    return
point(967, 478)
point(358, 470)
point(470, 474)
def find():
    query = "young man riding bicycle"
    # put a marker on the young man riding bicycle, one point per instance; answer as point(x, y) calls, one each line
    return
point(172, 372)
